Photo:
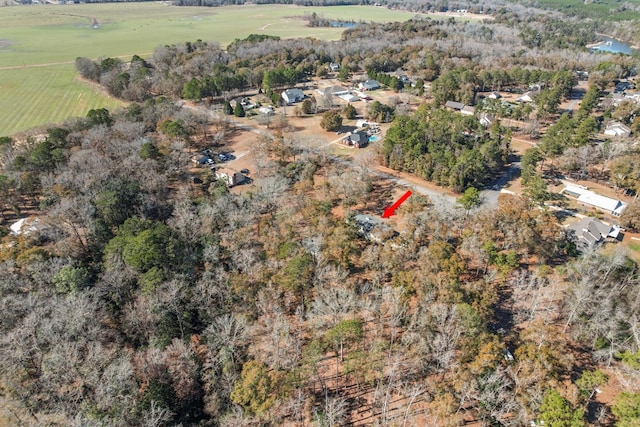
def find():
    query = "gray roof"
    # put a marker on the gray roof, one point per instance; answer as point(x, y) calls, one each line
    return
point(591, 230)
point(371, 84)
point(334, 90)
point(293, 93)
point(454, 105)
point(358, 137)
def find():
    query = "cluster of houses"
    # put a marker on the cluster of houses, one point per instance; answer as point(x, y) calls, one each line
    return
point(293, 95)
point(589, 231)
point(349, 95)
point(612, 128)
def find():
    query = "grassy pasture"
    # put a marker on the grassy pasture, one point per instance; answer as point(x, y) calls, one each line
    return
point(38, 45)
point(51, 95)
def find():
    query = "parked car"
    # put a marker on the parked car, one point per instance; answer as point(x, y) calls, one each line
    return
point(244, 171)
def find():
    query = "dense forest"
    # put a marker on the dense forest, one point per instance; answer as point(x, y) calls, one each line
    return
point(139, 303)
point(140, 295)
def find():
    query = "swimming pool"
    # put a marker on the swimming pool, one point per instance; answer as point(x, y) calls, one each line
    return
point(374, 138)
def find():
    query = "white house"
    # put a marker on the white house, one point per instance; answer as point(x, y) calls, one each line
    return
point(633, 97)
point(527, 96)
point(588, 197)
point(617, 129)
point(292, 95)
point(364, 123)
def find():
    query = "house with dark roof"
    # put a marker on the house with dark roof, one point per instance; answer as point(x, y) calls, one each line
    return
point(369, 85)
point(591, 231)
point(356, 139)
point(203, 160)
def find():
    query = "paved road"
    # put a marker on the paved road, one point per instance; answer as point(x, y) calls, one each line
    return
point(490, 195)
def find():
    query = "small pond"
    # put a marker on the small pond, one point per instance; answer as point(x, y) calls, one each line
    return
point(612, 46)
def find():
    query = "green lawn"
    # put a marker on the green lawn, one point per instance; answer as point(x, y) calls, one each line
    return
point(33, 36)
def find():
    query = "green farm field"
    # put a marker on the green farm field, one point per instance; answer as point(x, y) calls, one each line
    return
point(39, 44)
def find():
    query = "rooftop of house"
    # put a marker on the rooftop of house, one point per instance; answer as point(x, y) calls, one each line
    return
point(294, 91)
point(454, 105)
point(618, 126)
point(591, 230)
point(468, 109)
point(589, 197)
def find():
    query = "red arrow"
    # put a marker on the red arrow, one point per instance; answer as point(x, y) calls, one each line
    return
point(389, 211)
